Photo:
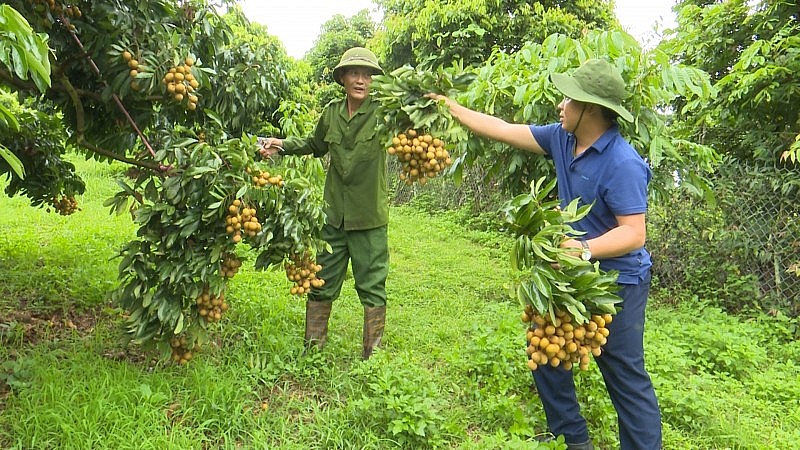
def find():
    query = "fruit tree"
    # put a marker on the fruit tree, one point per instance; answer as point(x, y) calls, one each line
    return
point(178, 91)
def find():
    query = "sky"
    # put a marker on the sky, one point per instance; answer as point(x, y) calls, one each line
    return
point(297, 23)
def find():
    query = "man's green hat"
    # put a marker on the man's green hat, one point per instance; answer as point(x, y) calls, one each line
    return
point(356, 57)
point(595, 81)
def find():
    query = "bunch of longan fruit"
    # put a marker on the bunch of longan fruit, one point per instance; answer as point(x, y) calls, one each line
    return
point(240, 219)
point(302, 270)
point(564, 342)
point(57, 8)
point(180, 353)
point(422, 156)
point(65, 205)
point(261, 179)
point(49, 8)
point(210, 306)
point(181, 83)
point(133, 65)
point(230, 265)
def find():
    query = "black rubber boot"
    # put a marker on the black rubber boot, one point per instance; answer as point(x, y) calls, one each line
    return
point(582, 446)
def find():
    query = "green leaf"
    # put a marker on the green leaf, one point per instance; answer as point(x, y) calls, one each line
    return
point(541, 284)
point(28, 52)
point(241, 192)
point(13, 161)
point(189, 229)
point(179, 326)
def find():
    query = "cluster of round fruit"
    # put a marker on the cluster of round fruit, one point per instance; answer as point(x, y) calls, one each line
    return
point(133, 65)
point(421, 156)
point(66, 205)
point(180, 353)
point(181, 84)
point(262, 179)
point(55, 10)
point(563, 342)
point(230, 265)
point(211, 306)
point(239, 218)
point(302, 270)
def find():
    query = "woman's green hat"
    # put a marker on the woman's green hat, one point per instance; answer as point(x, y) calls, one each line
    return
point(356, 57)
point(595, 81)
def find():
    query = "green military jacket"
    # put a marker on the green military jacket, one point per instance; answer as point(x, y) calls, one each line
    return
point(356, 190)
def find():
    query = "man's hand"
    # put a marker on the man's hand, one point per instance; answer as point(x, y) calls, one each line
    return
point(269, 147)
point(439, 97)
point(569, 245)
point(573, 244)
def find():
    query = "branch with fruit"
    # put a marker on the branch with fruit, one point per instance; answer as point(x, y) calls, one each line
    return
point(174, 276)
point(422, 133)
point(567, 301)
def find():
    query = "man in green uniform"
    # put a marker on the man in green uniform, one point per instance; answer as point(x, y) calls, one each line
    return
point(356, 196)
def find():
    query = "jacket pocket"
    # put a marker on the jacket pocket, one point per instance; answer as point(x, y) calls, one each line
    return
point(333, 136)
point(367, 134)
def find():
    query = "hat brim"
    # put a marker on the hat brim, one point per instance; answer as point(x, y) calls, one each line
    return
point(570, 88)
point(337, 72)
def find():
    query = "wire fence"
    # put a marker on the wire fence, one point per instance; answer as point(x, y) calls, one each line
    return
point(744, 250)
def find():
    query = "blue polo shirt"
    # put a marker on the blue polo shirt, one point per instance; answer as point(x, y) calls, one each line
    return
point(610, 174)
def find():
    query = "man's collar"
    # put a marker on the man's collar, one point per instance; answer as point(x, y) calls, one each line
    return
point(361, 108)
point(605, 139)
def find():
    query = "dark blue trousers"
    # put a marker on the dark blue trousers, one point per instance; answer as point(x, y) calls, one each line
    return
point(627, 382)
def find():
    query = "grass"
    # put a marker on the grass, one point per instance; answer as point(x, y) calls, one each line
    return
point(452, 373)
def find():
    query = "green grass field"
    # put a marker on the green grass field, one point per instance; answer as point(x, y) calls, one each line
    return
point(452, 373)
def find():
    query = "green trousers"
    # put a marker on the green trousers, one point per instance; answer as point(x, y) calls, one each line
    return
point(368, 253)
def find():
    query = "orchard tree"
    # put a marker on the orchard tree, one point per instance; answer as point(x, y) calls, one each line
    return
point(436, 33)
point(178, 92)
point(27, 53)
point(110, 64)
point(752, 52)
point(27, 130)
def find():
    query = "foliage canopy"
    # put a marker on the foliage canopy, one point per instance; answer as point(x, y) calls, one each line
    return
point(752, 52)
point(174, 89)
point(434, 33)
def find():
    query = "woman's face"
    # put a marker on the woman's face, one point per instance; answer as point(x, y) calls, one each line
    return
point(356, 81)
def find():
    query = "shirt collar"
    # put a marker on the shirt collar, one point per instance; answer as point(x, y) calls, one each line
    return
point(361, 109)
point(603, 141)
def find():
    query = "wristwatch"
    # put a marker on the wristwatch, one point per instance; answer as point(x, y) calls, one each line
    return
point(586, 254)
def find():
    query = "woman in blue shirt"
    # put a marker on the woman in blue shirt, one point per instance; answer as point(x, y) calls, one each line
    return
point(596, 164)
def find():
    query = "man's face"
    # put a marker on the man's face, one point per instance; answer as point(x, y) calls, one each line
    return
point(356, 81)
point(569, 113)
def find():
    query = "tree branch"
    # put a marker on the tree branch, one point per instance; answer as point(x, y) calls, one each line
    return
point(101, 151)
point(23, 85)
point(17, 83)
point(114, 96)
point(81, 138)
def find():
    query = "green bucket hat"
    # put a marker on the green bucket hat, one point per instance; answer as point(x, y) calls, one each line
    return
point(595, 81)
point(356, 57)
